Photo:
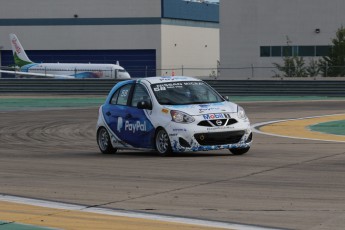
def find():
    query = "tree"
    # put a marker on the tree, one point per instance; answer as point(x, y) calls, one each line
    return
point(292, 67)
point(333, 65)
point(313, 69)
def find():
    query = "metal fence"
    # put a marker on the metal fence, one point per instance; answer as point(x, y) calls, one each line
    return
point(225, 87)
point(226, 73)
point(260, 73)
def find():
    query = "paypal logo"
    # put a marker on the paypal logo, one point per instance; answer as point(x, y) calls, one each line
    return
point(119, 124)
point(132, 127)
point(138, 126)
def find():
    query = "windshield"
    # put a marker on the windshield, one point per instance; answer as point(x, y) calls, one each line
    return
point(184, 93)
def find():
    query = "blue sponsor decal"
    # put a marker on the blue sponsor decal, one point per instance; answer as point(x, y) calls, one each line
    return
point(212, 116)
point(135, 127)
point(204, 106)
point(131, 125)
point(179, 130)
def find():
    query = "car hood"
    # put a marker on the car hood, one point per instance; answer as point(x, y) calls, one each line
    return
point(199, 109)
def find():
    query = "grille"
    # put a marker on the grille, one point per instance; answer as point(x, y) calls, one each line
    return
point(212, 123)
point(219, 138)
point(231, 121)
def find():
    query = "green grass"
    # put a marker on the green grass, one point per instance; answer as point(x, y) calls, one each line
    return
point(332, 127)
point(29, 102)
point(26, 103)
point(15, 226)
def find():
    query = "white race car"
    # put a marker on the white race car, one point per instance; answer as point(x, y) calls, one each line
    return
point(169, 115)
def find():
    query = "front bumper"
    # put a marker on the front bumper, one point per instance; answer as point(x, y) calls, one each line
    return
point(191, 137)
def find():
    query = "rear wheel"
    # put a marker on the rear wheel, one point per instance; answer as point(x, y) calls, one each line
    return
point(103, 141)
point(239, 151)
point(162, 143)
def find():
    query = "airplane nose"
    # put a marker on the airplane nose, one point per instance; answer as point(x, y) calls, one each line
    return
point(125, 76)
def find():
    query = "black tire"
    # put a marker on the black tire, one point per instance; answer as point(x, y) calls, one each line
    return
point(239, 151)
point(103, 141)
point(162, 143)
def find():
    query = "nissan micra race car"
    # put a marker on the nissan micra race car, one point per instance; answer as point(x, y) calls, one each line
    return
point(170, 115)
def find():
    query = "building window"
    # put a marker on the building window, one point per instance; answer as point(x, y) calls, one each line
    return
point(265, 51)
point(302, 51)
point(322, 50)
point(276, 51)
point(294, 50)
point(306, 51)
point(287, 50)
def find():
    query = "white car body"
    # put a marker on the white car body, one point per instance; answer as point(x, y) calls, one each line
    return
point(189, 127)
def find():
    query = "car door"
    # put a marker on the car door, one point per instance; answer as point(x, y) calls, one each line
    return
point(137, 128)
point(116, 112)
point(131, 125)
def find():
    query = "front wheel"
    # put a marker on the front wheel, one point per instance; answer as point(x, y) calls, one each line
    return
point(162, 143)
point(103, 141)
point(239, 151)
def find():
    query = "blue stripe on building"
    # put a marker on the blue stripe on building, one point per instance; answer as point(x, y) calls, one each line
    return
point(174, 9)
point(79, 21)
point(187, 10)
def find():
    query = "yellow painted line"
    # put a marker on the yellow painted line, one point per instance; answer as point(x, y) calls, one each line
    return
point(298, 128)
point(72, 219)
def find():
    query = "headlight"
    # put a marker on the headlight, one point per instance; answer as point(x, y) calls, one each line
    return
point(181, 117)
point(240, 113)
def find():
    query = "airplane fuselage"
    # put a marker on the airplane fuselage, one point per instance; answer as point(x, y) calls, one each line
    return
point(78, 70)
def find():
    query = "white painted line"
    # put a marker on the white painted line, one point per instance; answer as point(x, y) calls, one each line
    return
point(255, 127)
point(131, 214)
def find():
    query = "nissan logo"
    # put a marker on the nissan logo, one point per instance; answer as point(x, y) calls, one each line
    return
point(219, 122)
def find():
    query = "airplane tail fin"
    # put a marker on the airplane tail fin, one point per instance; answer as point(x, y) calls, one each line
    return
point(20, 57)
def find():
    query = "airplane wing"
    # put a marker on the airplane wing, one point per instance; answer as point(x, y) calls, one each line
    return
point(31, 74)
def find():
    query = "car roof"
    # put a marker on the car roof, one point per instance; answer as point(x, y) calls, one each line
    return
point(165, 79)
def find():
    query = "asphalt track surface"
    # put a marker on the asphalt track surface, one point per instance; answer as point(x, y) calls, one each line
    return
point(281, 182)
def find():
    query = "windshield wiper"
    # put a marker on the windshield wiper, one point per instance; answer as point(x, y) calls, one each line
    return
point(167, 103)
point(201, 102)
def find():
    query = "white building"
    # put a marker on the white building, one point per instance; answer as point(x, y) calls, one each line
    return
point(255, 33)
point(148, 37)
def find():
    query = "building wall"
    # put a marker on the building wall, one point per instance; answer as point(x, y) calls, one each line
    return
point(192, 51)
point(116, 25)
point(84, 37)
point(247, 25)
point(83, 8)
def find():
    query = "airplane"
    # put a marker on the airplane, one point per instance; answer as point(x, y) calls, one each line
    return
point(28, 68)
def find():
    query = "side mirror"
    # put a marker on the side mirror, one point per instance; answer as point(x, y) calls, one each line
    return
point(226, 98)
point(144, 105)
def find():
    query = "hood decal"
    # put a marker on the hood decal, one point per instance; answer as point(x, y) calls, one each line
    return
point(201, 109)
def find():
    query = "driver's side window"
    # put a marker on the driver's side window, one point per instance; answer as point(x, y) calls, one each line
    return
point(140, 94)
point(121, 96)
